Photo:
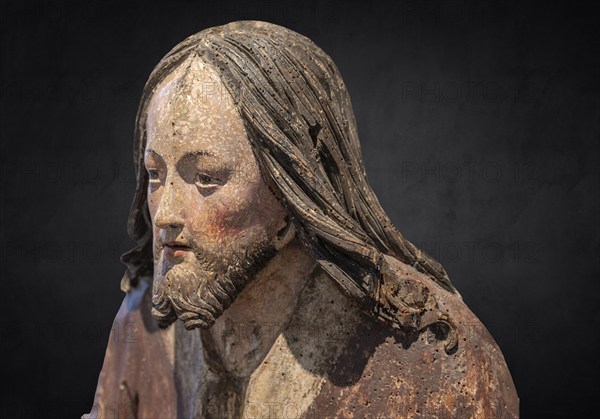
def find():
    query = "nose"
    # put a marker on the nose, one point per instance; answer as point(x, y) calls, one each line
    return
point(170, 208)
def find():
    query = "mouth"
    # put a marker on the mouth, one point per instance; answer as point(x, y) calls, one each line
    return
point(175, 250)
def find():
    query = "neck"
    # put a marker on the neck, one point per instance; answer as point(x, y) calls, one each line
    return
point(276, 318)
point(243, 335)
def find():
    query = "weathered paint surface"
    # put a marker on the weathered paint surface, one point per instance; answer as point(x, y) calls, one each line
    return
point(282, 287)
point(392, 374)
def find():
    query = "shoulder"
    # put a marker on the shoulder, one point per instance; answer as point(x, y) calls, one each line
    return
point(412, 375)
point(137, 353)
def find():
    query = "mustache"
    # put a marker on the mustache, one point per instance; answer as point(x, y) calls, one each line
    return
point(208, 258)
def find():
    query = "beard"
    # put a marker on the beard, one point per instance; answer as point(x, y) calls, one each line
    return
point(199, 292)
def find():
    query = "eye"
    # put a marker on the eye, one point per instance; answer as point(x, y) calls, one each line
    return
point(207, 181)
point(153, 175)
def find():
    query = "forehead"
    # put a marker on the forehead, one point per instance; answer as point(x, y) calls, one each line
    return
point(191, 110)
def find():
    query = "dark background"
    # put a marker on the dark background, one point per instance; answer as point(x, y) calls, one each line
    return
point(479, 123)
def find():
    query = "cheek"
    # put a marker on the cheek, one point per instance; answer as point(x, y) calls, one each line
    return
point(152, 199)
point(234, 215)
point(151, 202)
point(231, 213)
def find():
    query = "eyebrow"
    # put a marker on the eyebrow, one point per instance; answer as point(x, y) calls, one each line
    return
point(188, 154)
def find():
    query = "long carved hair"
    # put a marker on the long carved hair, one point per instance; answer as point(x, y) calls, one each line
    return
point(300, 122)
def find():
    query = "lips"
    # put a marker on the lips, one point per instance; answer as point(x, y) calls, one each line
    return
point(176, 245)
point(175, 250)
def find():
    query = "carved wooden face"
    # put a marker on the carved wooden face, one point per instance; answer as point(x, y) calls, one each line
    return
point(210, 208)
